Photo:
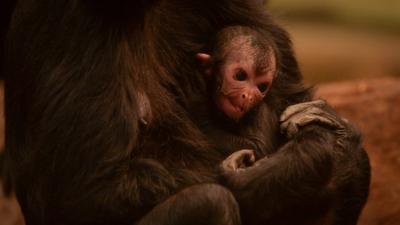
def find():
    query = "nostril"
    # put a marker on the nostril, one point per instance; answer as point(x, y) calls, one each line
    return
point(243, 95)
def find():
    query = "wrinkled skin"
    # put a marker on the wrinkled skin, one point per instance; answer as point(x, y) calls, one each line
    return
point(243, 81)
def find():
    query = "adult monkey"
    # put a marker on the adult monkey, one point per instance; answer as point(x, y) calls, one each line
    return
point(99, 129)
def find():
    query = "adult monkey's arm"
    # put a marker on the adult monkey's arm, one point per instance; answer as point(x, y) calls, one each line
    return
point(322, 170)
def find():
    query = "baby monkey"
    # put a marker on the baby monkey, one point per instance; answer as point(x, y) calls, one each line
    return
point(240, 70)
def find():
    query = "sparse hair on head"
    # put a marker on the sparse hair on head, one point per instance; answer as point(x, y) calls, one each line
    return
point(238, 36)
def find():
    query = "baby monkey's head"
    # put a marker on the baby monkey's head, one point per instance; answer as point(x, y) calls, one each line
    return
point(242, 65)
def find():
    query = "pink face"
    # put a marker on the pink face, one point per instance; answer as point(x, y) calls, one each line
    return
point(243, 85)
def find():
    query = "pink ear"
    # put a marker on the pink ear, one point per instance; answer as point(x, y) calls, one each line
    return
point(204, 58)
point(205, 61)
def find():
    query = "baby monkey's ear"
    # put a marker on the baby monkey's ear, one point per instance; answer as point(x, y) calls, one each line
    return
point(205, 62)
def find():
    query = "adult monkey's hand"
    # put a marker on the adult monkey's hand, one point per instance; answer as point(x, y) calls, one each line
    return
point(315, 112)
point(238, 161)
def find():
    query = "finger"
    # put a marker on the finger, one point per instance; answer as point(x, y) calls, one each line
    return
point(248, 155)
point(235, 155)
point(245, 151)
point(300, 118)
point(243, 158)
point(247, 160)
point(242, 154)
point(322, 116)
point(229, 165)
point(252, 158)
point(292, 126)
point(309, 115)
point(294, 109)
point(235, 160)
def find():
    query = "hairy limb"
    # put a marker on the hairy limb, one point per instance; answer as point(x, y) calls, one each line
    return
point(122, 195)
point(294, 181)
point(323, 168)
point(206, 204)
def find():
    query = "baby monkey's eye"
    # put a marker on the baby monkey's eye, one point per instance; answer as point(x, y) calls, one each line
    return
point(240, 75)
point(262, 87)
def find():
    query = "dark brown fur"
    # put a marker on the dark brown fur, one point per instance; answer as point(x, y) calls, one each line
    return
point(77, 76)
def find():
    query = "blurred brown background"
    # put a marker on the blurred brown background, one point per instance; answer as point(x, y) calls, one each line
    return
point(343, 40)
point(350, 50)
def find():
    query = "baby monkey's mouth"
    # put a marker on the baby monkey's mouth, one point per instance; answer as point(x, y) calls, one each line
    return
point(232, 107)
point(238, 107)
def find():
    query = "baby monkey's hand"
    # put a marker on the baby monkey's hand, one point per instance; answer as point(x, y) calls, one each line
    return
point(239, 160)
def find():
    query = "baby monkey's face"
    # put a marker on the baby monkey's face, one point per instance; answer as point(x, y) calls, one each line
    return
point(243, 78)
point(244, 82)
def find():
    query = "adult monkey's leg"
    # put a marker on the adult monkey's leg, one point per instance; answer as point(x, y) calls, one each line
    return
point(207, 204)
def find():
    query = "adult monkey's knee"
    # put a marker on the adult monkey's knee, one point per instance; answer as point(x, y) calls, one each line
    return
point(203, 204)
point(213, 204)
point(224, 203)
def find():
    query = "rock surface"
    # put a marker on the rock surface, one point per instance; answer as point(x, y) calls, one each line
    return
point(374, 106)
